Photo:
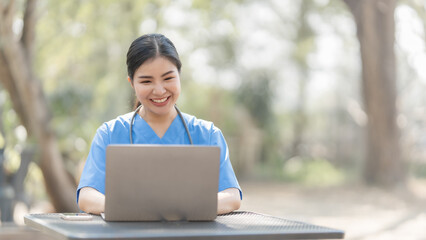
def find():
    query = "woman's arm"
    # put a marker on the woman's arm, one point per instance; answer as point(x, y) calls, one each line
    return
point(91, 201)
point(228, 200)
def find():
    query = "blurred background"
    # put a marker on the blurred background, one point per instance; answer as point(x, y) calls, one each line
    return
point(321, 101)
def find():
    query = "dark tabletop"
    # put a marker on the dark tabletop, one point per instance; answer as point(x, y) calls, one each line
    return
point(236, 225)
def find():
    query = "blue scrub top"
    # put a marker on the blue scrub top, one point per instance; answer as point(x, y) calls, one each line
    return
point(116, 131)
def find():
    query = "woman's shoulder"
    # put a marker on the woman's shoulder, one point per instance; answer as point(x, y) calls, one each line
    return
point(202, 131)
point(120, 122)
point(197, 124)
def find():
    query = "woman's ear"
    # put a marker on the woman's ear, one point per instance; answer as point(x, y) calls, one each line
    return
point(130, 81)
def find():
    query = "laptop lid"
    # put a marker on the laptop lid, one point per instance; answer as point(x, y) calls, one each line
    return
point(161, 182)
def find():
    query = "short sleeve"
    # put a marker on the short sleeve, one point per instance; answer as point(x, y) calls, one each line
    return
point(227, 178)
point(93, 174)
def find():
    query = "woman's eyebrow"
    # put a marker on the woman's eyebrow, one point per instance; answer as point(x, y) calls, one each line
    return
point(164, 74)
point(144, 76)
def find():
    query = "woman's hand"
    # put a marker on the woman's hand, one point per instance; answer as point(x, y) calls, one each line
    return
point(91, 201)
point(228, 200)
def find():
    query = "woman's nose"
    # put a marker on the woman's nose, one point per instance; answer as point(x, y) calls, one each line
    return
point(159, 89)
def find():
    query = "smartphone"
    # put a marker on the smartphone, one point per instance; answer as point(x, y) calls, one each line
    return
point(76, 216)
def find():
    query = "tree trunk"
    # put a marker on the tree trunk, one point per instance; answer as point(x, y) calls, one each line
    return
point(376, 33)
point(28, 100)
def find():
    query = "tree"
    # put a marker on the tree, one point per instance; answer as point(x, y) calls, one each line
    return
point(376, 34)
point(26, 93)
point(304, 47)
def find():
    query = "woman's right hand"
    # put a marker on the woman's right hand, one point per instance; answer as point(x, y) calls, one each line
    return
point(91, 201)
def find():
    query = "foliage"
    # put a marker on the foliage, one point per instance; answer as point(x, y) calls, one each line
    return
point(247, 66)
point(419, 170)
point(314, 172)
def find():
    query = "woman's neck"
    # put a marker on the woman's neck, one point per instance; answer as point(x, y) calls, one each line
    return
point(155, 119)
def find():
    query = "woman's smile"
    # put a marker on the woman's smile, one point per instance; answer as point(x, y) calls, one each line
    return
point(160, 101)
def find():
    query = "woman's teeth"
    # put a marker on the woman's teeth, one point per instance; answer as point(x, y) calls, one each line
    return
point(159, 100)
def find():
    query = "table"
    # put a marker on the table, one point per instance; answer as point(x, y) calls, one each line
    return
point(235, 225)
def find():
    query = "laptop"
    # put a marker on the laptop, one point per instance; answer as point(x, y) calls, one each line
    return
point(161, 182)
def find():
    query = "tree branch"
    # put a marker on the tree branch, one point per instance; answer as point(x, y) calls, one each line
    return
point(14, 59)
point(7, 11)
point(6, 78)
point(7, 81)
point(352, 4)
point(355, 8)
point(22, 84)
point(28, 31)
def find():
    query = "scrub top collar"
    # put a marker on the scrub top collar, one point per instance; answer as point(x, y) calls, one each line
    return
point(142, 128)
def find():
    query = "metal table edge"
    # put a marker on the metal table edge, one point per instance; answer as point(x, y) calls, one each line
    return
point(35, 223)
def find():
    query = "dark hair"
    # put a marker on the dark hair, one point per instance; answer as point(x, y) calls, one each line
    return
point(150, 46)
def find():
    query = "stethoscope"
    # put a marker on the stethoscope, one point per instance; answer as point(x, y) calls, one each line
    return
point(179, 113)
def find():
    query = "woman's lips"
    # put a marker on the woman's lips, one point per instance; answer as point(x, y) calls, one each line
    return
point(160, 101)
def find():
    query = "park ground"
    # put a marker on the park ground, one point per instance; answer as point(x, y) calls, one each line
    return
point(364, 213)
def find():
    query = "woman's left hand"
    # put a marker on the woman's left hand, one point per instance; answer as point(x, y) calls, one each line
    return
point(228, 200)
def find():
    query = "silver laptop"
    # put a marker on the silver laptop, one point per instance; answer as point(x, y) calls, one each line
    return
point(161, 182)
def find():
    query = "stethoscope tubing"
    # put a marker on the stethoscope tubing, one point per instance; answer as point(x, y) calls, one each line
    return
point(179, 113)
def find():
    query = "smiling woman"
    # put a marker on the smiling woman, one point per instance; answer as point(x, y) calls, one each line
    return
point(153, 67)
point(157, 88)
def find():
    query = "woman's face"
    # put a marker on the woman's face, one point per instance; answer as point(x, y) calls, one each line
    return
point(157, 86)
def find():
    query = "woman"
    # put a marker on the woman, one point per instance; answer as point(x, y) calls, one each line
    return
point(153, 68)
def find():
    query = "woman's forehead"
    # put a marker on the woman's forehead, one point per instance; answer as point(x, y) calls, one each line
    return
point(157, 64)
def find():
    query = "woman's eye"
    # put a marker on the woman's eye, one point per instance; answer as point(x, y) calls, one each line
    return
point(145, 82)
point(168, 78)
